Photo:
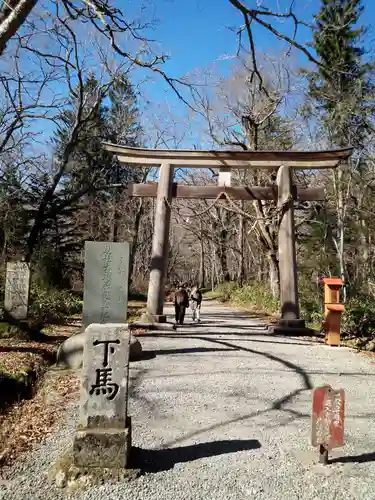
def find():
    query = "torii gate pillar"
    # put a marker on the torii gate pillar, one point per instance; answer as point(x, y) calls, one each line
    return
point(160, 244)
point(290, 313)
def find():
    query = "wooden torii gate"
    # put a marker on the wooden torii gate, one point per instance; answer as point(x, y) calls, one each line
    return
point(283, 191)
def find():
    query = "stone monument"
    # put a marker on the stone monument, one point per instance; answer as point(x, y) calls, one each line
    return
point(103, 437)
point(105, 298)
point(105, 295)
point(17, 284)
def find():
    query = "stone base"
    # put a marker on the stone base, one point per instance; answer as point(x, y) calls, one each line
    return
point(159, 318)
point(106, 448)
point(290, 331)
point(161, 327)
point(147, 322)
point(65, 474)
point(292, 327)
point(147, 318)
point(292, 323)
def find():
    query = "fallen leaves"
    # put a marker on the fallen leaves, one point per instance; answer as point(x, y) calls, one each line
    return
point(23, 356)
point(32, 420)
point(29, 421)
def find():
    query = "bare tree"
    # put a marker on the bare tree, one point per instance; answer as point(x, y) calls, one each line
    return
point(22, 18)
point(86, 108)
point(245, 116)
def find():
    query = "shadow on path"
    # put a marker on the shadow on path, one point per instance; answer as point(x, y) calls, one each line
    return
point(278, 404)
point(307, 385)
point(193, 336)
point(167, 458)
point(184, 350)
point(356, 459)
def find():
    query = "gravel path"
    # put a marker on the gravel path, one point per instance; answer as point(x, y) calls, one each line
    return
point(223, 412)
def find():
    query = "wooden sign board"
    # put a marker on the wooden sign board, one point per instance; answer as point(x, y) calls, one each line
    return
point(328, 417)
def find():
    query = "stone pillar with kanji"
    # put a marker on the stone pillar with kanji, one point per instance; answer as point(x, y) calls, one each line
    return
point(103, 437)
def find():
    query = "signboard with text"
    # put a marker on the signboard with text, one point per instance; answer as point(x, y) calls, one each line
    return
point(328, 417)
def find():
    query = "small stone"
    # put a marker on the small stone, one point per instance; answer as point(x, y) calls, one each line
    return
point(60, 479)
point(73, 472)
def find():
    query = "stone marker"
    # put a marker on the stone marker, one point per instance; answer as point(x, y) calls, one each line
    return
point(17, 285)
point(105, 295)
point(103, 437)
point(105, 298)
point(327, 420)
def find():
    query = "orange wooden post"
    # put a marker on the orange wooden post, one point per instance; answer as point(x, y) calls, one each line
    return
point(333, 320)
point(332, 310)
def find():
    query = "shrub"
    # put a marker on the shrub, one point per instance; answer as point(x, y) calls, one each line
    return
point(311, 309)
point(51, 306)
point(359, 317)
point(135, 294)
point(224, 291)
point(255, 295)
point(311, 300)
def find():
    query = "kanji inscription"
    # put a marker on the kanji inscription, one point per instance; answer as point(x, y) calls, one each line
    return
point(103, 382)
point(105, 372)
point(105, 295)
point(328, 417)
point(103, 436)
point(106, 282)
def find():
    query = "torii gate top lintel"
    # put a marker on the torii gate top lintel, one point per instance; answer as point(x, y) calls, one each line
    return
point(299, 160)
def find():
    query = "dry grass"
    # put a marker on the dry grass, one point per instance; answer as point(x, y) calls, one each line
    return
point(23, 364)
point(30, 421)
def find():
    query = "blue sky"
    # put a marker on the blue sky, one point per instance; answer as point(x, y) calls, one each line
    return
point(195, 33)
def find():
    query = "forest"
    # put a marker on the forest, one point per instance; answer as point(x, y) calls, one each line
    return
point(76, 74)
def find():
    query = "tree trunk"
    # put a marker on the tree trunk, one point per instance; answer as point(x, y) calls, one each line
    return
point(12, 17)
point(116, 214)
point(202, 274)
point(223, 255)
point(241, 263)
point(222, 247)
point(274, 275)
point(213, 258)
point(340, 225)
point(134, 245)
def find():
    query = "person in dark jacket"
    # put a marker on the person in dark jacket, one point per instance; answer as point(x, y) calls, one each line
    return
point(181, 303)
point(196, 301)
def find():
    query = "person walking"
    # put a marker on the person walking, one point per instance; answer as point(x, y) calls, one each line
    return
point(196, 301)
point(181, 303)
